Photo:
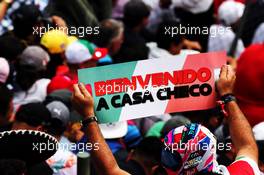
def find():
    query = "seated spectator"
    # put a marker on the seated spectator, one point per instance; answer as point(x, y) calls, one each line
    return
point(30, 66)
point(222, 35)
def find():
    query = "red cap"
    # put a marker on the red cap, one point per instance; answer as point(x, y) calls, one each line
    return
point(59, 82)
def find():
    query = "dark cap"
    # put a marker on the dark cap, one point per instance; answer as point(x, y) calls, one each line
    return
point(34, 114)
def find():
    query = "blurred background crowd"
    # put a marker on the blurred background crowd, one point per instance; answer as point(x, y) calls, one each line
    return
point(37, 72)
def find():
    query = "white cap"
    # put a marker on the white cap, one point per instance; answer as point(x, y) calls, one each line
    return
point(114, 130)
point(77, 53)
point(230, 12)
point(4, 70)
point(258, 131)
point(194, 6)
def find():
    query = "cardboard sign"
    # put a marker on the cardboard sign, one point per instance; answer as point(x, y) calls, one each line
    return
point(153, 87)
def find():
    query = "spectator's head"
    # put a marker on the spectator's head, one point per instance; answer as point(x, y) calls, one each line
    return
point(12, 167)
point(32, 116)
point(148, 152)
point(230, 12)
point(31, 65)
point(10, 47)
point(4, 70)
point(174, 122)
point(56, 41)
point(111, 35)
point(25, 19)
point(136, 14)
point(250, 84)
point(60, 117)
point(82, 54)
point(6, 109)
point(171, 43)
point(189, 149)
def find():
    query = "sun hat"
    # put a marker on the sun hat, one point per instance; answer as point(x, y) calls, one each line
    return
point(30, 146)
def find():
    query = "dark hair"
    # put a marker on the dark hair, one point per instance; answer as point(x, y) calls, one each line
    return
point(34, 114)
point(109, 29)
point(10, 47)
point(165, 39)
point(134, 12)
point(26, 76)
point(6, 97)
point(12, 167)
point(150, 148)
point(24, 19)
point(56, 127)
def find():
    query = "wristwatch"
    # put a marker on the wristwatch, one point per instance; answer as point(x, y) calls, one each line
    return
point(228, 98)
point(89, 120)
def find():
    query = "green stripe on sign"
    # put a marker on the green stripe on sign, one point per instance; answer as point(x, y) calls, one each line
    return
point(103, 73)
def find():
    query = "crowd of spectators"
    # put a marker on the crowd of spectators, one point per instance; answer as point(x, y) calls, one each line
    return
point(43, 43)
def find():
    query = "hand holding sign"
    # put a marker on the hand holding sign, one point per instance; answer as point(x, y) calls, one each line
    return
point(83, 101)
point(225, 84)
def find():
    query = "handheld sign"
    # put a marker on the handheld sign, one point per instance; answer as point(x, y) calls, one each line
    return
point(153, 87)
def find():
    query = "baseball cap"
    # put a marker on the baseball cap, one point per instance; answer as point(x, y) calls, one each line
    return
point(187, 148)
point(114, 130)
point(250, 83)
point(34, 114)
point(194, 6)
point(34, 58)
point(82, 50)
point(230, 12)
point(56, 41)
point(59, 82)
point(4, 70)
point(60, 111)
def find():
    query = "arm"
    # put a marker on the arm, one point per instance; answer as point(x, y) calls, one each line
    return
point(103, 158)
point(240, 129)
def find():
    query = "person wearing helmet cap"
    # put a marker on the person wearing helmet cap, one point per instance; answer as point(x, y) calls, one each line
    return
point(189, 160)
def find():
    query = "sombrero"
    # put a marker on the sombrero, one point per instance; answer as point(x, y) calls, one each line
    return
point(30, 146)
